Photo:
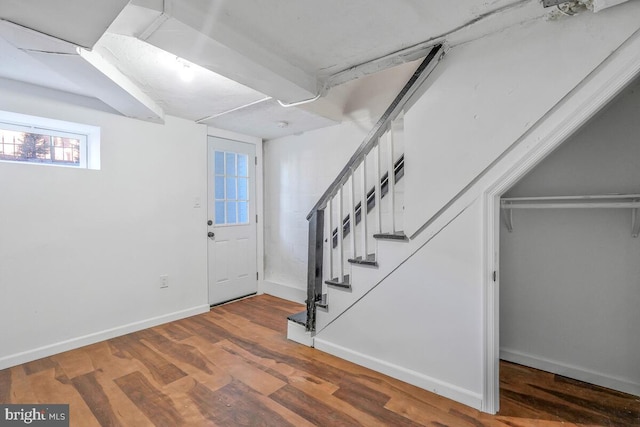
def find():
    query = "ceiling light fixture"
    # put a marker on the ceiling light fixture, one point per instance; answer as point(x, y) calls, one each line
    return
point(283, 124)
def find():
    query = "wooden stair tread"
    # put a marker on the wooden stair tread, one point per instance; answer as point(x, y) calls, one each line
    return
point(398, 235)
point(299, 318)
point(344, 284)
point(369, 260)
point(322, 302)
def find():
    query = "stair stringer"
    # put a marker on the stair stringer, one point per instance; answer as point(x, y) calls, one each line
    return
point(385, 329)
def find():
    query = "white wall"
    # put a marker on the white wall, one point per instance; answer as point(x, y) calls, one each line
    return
point(569, 293)
point(487, 93)
point(422, 324)
point(82, 250)
point(298, 170)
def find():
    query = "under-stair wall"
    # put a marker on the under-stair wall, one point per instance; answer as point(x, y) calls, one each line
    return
point(421, 319)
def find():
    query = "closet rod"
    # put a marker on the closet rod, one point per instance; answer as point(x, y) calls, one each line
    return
point(604, 201)
point(583, 197)
point(572, 205)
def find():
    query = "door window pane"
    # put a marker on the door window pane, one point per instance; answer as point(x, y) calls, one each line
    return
point(231, 189)
point(243, 212)
point(219, 212)
point(231, 213)
point(243, 165)
point(243, 190)
point(219, 187)
point(231, 164)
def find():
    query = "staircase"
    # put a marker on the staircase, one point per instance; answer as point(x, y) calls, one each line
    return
point(361, 216)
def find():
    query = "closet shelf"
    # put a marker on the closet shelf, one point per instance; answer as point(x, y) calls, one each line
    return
point(603, 201)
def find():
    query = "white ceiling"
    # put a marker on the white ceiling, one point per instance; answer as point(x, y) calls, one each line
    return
point(240, 57)
point(78, 22)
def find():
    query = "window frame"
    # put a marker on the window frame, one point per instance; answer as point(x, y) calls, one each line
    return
point(88, 135)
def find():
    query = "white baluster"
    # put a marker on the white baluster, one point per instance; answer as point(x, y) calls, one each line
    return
point(340, 235)
point(363, 210)
point(330, 209)
point(378, 191)
point(391, 183)
point(352, 217)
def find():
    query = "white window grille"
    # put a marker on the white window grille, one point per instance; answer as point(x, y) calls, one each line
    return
point(37, 140)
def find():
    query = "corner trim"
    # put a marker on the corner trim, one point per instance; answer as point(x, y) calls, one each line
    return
point(81, 341)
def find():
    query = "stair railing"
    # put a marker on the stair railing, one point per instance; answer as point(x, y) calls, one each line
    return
point(358, 164)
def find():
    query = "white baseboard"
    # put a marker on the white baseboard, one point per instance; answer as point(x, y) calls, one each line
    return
point(73, 343)
point(287, 292)
point(433, 385)
point(570, 371)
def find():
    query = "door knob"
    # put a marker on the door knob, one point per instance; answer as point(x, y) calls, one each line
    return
point(211, 235)
point(209, 222)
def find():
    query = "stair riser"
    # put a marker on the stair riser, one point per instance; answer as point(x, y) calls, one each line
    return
point(297, 333)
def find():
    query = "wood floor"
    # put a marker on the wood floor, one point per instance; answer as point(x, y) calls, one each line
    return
point(234, 367)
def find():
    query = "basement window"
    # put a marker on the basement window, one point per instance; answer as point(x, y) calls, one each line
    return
point(37, 140)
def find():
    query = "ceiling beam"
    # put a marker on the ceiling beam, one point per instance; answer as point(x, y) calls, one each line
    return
point(116, 90)
point(86, 69)
point(28, 40)
point(94, 74)
point(78, 22)
point(206, 40)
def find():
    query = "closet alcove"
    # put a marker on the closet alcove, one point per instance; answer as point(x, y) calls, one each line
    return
point(569, 261)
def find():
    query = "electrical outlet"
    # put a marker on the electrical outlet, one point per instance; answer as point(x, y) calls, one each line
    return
point(164, 281)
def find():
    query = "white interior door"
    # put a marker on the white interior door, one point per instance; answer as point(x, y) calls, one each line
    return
point(232, 220)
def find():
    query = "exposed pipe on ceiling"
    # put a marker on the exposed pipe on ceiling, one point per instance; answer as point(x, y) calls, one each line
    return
point(204, 119)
